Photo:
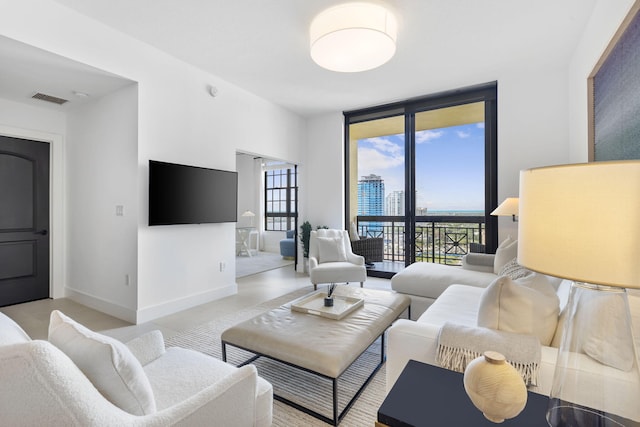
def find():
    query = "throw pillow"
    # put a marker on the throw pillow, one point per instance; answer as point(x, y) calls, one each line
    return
point(106, 362)
point(353, 232)
point(602, 334)
point(514, 270)
point(507, 251)
point(526, 306)
point(331, 249)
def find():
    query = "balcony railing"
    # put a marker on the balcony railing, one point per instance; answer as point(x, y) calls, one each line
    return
point(440, 239)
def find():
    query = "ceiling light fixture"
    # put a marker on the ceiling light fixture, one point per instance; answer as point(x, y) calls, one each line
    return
point(353, 37)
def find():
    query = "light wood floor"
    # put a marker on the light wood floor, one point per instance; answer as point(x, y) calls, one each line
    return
point(33, 317)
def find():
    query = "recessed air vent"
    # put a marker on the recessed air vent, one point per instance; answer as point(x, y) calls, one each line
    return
point(49, 98)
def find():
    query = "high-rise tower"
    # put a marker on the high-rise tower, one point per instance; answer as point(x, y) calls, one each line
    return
point(371, 200)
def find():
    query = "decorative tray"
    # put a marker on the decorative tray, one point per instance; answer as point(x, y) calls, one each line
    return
point(314, 304)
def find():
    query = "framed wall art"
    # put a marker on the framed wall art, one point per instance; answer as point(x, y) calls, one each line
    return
point(614, 95)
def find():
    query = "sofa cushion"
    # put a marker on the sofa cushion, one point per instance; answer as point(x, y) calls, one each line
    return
point(457, 304)
point(108, 364)
point(427, 279)
point(507, 251)
point(331, 249)
point(528, 306)
point(597, 315)
point(514, 270)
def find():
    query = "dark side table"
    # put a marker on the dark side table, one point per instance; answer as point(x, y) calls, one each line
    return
point(426, 395)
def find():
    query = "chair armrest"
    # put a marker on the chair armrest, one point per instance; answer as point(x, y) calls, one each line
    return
point(355, 259)
point(147, 347)
point(230, 402)
point(313, 262)
point(478, 262)
point(407, 339)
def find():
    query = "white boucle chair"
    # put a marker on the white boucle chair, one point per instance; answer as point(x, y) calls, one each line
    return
point(41, 385)
point(331, 259)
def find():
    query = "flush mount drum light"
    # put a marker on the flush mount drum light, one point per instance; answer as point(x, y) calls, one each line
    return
point(353, 37)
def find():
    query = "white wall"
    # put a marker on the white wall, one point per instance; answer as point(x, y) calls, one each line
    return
point(178, 121)
point(605, 20)
point(324, 172)
point(248, 190)
point(102, 173)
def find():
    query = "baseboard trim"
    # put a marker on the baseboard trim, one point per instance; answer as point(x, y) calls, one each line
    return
point(102, 305)
point(150, 313)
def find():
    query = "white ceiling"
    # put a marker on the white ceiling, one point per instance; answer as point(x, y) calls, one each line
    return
point(262, 45)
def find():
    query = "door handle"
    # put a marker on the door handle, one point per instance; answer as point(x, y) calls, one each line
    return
point(42, 232)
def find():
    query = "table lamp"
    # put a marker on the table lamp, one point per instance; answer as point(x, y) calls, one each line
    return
point(250, 215)
point(582, 222)
point(509, 207)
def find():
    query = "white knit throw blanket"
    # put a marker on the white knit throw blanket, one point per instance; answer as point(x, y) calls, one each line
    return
point(458, 345)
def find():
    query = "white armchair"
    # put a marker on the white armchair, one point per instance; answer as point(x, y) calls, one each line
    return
point(331, 259)
point(41, 385)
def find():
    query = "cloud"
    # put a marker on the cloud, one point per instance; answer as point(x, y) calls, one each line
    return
point(480, 125)
point(427, 135)
point(371, 160)
point(463, 134)
point(384, 145)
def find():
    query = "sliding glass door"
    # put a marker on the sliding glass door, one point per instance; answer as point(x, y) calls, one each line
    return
point(422, 175)
point(449, 173)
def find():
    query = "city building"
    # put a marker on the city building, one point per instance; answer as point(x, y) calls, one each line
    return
point(371, 195)
point(394, 203)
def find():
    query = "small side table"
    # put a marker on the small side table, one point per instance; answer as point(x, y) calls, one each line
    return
point(244, 238)
point(426, 395)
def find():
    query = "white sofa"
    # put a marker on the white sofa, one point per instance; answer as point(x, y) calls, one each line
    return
point(418, 340)
point(424, 282)
point(41, 385)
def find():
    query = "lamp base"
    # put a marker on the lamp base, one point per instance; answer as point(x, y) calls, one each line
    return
point(567, 414)
point(596, 381)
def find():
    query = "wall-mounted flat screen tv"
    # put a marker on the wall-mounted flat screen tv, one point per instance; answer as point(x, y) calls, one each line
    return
point(181, 194)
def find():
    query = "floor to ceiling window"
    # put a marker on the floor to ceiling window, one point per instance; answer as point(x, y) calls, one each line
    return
point(422, 175)
point(280, 196)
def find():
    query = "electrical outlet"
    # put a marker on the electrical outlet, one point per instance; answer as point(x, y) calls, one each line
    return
point(119, 210)
point(222, 266)
point(127, 282)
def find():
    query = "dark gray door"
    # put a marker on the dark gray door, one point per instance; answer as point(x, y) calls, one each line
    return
point(24, 220)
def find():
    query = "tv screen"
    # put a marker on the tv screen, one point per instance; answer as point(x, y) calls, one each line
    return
point(181, 194)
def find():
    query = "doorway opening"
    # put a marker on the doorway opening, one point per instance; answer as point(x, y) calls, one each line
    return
point(267, 214)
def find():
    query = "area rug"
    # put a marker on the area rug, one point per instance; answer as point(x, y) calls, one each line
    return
point(299, 386)
point(259, 262)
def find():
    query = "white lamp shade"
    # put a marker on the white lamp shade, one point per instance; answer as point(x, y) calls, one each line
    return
point(248, 213)
point(507, 208)
point(582, 222)
point(353, 37)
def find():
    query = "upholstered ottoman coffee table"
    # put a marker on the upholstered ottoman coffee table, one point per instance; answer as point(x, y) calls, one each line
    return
point(317, 344)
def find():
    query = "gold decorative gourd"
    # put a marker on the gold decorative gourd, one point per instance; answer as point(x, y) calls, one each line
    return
point(495, 387)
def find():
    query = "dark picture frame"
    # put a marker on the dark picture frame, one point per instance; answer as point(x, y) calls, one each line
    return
point(614, 95)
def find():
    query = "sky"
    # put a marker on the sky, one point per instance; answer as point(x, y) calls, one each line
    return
point(449, 166)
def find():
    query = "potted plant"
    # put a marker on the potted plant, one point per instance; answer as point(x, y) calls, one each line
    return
point(305, 237)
